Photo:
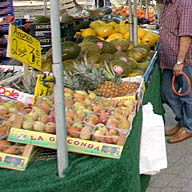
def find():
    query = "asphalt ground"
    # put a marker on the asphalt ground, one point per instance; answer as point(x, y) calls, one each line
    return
point(178, 175)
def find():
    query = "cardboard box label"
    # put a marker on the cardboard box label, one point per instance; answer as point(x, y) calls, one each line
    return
point(13, 161)
point(74, 144)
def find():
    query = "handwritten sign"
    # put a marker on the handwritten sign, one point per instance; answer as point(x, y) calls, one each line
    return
point(23, 47)
point(44, 86)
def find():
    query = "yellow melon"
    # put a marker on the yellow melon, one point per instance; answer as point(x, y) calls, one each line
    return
point(113, 23)
point(116, 35)
point(126, 36)
point(104, 30)
point(149, 39)
point(88, 32)
point(123, 29)
point(141, 32)
point(96, 24)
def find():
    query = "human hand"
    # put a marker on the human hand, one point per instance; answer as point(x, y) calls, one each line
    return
point(178, 69)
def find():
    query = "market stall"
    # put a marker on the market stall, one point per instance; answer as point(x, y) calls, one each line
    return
point(118, 172)
point(89, 173)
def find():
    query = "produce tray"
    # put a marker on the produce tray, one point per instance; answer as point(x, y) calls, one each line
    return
point(74, 144)
point(46, 140)
point(15, 156)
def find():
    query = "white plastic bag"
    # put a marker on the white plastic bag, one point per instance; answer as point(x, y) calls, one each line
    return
point(153, 156)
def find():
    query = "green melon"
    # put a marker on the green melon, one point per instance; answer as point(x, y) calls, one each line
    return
point(125, 65)
point(70, 50)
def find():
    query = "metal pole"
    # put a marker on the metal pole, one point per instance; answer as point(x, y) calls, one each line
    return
point(147, 9)
point(141, 4)
point(135, 31)
point(45, 7)
point(62, 153)
point(130, 20)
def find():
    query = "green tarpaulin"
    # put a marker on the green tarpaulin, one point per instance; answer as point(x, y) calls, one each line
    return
point(89, 173)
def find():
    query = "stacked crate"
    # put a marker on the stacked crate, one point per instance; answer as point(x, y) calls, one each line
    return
point(6, 16)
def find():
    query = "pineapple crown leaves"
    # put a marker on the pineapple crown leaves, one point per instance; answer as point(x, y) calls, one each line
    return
point(113, 73)
point(84, 76)
point(108, 71)
point(71, 81)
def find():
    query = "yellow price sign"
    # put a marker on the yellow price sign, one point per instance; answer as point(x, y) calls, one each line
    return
point(23, 47)
point(44, 86)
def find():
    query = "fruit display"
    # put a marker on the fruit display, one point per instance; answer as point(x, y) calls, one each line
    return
point(86, 115)
point(105, 81)
point(141, 12)
point(11, 148)
point(109, 89)
point(100, 89)
point(111, 30)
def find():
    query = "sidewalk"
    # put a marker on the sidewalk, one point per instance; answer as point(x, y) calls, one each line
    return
point(177, 177)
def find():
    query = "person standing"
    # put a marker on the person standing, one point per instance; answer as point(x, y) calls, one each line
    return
point(175, 57)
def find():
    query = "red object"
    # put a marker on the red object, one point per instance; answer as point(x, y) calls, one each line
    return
point(189, 85)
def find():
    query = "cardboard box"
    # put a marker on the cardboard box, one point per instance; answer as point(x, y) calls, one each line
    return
point(74, 144)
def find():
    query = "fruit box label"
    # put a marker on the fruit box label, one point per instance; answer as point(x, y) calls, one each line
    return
point(74, 145)
point(15, 162)
point(44, 86)
point(13, 94)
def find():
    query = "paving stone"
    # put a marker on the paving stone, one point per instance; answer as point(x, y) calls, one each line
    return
point(178, 182)
point(172, 189)
point(178, 167)
point(151, 189)
point(162, 181)
point(177, 177)
point(188, 186)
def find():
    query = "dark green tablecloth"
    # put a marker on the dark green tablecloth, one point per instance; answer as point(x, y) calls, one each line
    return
point(88, 173)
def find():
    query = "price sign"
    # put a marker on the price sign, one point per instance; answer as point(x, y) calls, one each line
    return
point(23, 47)
point(43, 89)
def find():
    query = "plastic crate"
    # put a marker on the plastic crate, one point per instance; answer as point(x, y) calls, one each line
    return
point(6, 3)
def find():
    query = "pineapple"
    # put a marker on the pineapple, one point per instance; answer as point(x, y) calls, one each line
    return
point(84, 76)
point(116, 87)
point(102, 80)
point(107, 89)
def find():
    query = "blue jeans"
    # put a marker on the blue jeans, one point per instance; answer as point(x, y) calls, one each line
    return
point(180, 105)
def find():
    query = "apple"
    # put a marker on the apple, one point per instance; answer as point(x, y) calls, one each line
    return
point(38, 126)
point(12, 109)
point(50, 127)
point(27, 124)
point(44, 119)
point(102, 117)
point(52, 112)
point(92, 119)
point(51, 118)
point(29, 117)
point(73, 132)
point(79, 116)
point(38, 110)
point(78, 125)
